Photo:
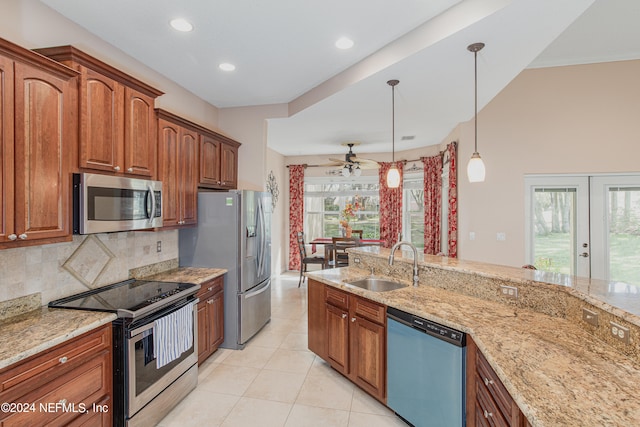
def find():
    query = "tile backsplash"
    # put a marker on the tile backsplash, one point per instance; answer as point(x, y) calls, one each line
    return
point(62, 269)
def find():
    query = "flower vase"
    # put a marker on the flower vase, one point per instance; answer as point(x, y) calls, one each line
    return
point(347, 232)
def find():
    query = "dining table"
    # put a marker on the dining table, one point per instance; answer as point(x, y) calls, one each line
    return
point(329, 241)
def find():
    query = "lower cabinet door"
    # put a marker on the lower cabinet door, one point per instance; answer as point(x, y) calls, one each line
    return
point(338, 338)
point(367, 355)
point(203, 332)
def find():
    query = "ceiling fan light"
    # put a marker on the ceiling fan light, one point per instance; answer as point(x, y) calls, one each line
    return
point(357, 171)
point(475, 169)
point(345, 171)
point(393, 177)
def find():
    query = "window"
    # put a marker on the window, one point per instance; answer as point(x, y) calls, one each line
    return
point(413, 209)
point(324, 198)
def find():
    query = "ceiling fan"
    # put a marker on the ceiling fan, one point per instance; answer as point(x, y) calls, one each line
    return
point(352, 165)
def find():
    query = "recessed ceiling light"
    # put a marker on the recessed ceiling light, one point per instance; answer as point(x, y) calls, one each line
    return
point(181, 25)
point(344, 43)
point(225, 66)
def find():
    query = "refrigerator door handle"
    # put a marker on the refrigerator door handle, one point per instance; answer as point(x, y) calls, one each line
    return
point(259, 291)
point(261, 245)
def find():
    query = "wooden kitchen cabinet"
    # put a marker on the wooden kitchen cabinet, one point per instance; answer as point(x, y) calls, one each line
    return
point(210, 317)
point(218, 162)
point(177, 169)
point(488, 401)
point(38, 130)
point(117, 119)
point(76, 374)
point(353, 338)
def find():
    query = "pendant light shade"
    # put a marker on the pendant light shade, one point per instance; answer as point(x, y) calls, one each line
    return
point(393, 177)
point(393, 174)
point(475, 167)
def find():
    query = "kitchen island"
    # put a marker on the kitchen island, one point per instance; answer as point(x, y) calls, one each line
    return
point(558, 369)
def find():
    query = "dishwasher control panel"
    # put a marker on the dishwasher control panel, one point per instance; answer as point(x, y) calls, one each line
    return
point(427, 326)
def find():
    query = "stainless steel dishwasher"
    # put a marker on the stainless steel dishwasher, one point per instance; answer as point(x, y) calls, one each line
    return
point(425, 371)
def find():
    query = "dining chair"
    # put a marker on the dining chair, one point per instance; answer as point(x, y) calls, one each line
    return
point(306, 260)
point(339, 246)
point(358, 232)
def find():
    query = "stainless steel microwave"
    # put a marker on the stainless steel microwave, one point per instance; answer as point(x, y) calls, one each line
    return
point(105, 203)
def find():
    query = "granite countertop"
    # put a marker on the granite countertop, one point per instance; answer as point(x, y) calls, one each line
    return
point(558, 373)
point(38, 330)
point(195, 275)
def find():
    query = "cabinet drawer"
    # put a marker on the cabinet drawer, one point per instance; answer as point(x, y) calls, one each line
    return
point(337, 297)
point(369, 310)
point(66, 397)
point(32, 373)
point(488, 380)
point(210, 288)
point(487, 412)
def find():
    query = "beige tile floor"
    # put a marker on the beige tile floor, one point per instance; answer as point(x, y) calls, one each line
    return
point(276, 381)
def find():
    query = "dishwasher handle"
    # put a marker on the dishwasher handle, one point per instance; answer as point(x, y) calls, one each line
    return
point(429, 327)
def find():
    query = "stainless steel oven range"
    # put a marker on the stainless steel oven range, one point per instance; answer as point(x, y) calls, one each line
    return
point(155, 348)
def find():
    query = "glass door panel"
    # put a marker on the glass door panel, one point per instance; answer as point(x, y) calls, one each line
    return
point(557, 224)
point(615, 223)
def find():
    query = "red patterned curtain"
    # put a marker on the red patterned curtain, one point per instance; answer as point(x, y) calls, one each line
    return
point(390, 206)
point(452, 149)
point(432, 203)
point(296, 212)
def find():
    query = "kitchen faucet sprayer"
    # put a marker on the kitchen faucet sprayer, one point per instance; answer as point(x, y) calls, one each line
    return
point(415, 259)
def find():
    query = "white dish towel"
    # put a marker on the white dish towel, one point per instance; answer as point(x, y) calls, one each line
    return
point(173, 335)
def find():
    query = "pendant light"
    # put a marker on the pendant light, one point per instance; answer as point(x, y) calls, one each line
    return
point(393, 174)
point(475, 167)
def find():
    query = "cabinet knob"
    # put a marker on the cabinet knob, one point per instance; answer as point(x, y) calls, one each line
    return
point(210, 301)
point(23, 236)
point(130, 170)
point(487, 414)
point(12, 237)
point(63, 359)
point(353, 319)
point(210, 288)
point(117, 168)
point(344, 315)
point(487, 381)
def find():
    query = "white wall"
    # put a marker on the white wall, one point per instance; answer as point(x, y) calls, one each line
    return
point(573, 119)
point(249, 126)
point(279, 220)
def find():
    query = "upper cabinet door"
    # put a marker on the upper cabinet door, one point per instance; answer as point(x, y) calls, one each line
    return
point(188, 164)
point(229, 166)
point(6, 148)
point(168, 171)
point(209, 162)
point(42, 136)
point(101, 104)
point(139, 151)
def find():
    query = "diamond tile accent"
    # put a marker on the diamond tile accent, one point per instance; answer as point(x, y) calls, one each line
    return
point(89, 261)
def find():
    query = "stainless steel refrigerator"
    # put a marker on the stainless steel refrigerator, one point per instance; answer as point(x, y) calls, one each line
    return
point(234, 232)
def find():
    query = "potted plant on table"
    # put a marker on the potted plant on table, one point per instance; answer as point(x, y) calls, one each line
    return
point(348, 214)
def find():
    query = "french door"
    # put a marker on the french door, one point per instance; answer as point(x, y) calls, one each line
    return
point(587, 226)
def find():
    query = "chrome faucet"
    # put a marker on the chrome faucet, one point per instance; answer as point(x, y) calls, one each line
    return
point(415, 259)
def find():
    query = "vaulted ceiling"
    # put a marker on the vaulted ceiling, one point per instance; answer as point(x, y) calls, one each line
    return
point(284, 52)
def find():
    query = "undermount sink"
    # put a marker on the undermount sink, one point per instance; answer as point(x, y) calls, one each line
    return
point(377, 284)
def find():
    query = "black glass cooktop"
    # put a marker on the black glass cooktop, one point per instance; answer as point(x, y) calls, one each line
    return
point(130, 298)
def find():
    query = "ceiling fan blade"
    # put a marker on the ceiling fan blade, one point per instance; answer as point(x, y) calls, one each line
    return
point(333, 164)
point(373, 165)
point(363, 161)
point(342, 162)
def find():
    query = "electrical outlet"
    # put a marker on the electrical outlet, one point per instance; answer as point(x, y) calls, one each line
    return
point(356, 260)
point(501, 237)
point(159, 246)
point(591, 317)
point(620, 332)
point(509, 291)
